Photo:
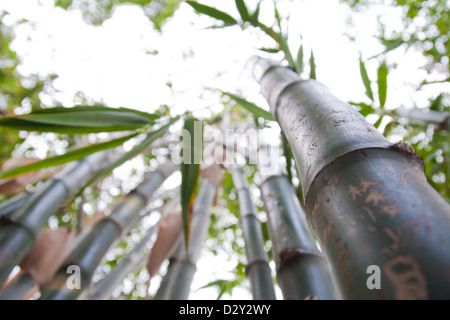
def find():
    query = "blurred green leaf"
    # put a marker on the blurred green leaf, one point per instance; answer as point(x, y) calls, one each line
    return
point(212, 12)
point(251, 107)
point(383, 71)
point(243, 11)
point(365, 79)
point(312, 63)
point(80, 119)
point(190, 172)
point(378, 122)
point(299, 62)
point(67, 157)
point(270, 50)
point(255, 16)
point(364, 109)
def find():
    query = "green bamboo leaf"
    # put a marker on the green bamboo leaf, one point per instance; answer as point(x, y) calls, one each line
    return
point(378, 122)
point(365, 79)
point(251, 107)
point(299, 62)
point(270, 50)
point(67, 157)
point(150, 138)
point(80, 119)
point(212, 12)
point(312, 62)
point(190, 171)
point(364, 109)
point(383, 71)
point(277, 14)
point(254, 17)
point(243, 11)
point(288, 155)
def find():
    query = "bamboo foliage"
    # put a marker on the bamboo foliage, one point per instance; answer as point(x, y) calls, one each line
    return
point(19, 233)
point(366, 199)
point(132, 261)
point(258, 268)
point(301, 271)
point(183, 267)
point(94, 245)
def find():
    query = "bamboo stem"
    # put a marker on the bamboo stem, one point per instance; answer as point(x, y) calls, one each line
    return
point(163, 289)
point(184, 266)
point(18, 288)
point(414, 115)
point(301, 271)
point(366, 199)
point(90, 251)
point(258, 268)
point(103, 289)
point(18, 235)
point(14, 203)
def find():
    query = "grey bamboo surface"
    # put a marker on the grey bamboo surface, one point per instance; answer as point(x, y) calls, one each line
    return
point(19, 234)
point(366, 199)
point(258, 269)
point(91, 249)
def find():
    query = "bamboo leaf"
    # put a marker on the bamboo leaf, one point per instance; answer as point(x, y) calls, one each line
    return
point(212, 12)
point(299, 62)
point(67, 157)
point(364, 109)
point(270, 50)
point(243, 11)
point(150, 138)
point(378, 122)
point(365, 79)
point(80, 119)
point(312, 63)
point(190, 172)
point(251, 107)
point(383, 71)
point(254, 17)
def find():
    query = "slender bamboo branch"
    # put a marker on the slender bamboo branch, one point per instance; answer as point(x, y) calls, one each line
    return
point(366, 199)
point(90, 251)
point(258, 268)
point(19, 234)
point(441, 119)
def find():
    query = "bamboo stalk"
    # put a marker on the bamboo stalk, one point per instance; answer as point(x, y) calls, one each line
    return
point(19, 234)
point(301, 271)
point(184, 266)
point(167, 279)
point(258, 269)
point(90, 251)
point(103, 289)
point(366, 199)
point(414, 115)
point(14, 203)
point(18, 288)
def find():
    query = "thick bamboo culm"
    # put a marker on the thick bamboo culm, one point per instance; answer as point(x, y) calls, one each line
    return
point(258, 269)
point(90, 251)
point(19, 233)
point(184, 266)
point(14, 203)
point(367, 200)
point(302, 272)
point(132, 261)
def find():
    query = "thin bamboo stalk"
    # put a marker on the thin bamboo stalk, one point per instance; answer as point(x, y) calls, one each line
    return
point(90, 251)
point(133, 260)
point(167, 279)
point(14, 203)
point(414, 115)
point(19, 234)
point(258, 269)
point(184, 266)
point(18, 288)
point(301, 271)
point(366, 199)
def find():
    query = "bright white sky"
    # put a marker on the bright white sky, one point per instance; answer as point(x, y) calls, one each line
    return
point(112, 62)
